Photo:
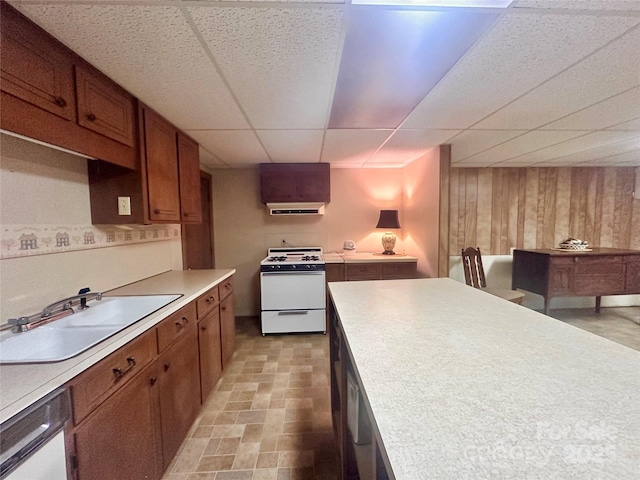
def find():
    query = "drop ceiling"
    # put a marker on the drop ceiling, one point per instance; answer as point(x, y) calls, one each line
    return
point(540, 83)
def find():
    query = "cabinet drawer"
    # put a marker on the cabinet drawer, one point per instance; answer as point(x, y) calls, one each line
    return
point(363, 271)
point(175, 325)
point(632, 280)
point(92, 387)
point(207, 302)
point(605, 259)
point(399, 270)
point(226, 288)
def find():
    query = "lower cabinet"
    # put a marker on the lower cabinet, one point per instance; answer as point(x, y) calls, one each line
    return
point(133, 409)
point(210, 353)
point(121, 439)
point(227, 330)
point(179, 392)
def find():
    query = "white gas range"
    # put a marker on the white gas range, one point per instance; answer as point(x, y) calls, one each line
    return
point(293, 290)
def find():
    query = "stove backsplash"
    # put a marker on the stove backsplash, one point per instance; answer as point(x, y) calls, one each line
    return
point(297, 239)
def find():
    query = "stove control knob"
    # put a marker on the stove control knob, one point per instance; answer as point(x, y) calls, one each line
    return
point(308, 267)
point(293, 267)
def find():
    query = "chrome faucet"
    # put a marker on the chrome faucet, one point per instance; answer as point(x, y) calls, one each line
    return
point(54, 311)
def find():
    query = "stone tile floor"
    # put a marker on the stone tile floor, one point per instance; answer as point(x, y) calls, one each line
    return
point(270, 418)
point(618, 324)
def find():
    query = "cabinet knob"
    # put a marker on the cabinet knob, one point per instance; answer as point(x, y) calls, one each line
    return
point(179, 325)
point(166, 366)
point(185, 320)
point(153, 380)
point(91, 117)
point(61, 102)
point(203, 328)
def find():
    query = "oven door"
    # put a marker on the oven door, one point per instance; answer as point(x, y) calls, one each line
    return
point(292, 290)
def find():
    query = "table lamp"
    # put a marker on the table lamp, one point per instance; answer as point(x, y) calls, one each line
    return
point(388, 219)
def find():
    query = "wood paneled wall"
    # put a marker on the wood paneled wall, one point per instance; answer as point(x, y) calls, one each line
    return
point(499, 208)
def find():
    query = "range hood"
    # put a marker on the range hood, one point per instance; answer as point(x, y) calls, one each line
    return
point(298, 208)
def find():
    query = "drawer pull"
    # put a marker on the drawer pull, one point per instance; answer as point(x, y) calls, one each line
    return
point(185, 320)
point(91, 117)
point(153, 380)
point(166, 366)
point(119, 372)
point(210, 299)
point(61, 102)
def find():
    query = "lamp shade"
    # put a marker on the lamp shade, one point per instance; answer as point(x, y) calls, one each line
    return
point(388, 219)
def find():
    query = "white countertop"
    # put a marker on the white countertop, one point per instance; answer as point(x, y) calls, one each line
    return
point(366, 257)
point(464, 385)
point(21, 385)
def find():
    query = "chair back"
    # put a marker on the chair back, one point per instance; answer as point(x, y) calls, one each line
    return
point(473, 270)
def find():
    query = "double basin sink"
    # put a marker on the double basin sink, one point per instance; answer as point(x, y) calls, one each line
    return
point(71, 335)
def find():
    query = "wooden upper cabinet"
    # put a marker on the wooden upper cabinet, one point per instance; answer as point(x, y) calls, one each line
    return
point(104, 107)
point(162, 174)
point(34, 68)
point(189, 165)
point(295, 182)
point(40, 99)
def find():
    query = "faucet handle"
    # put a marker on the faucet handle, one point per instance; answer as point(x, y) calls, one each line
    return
point(84, 290)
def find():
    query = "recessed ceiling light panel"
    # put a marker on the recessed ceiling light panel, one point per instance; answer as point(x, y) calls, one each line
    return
point(438, 3)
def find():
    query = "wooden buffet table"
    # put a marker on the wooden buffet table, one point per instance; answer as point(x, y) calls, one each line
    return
point(554, 273)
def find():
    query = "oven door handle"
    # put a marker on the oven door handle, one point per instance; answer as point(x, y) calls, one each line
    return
point(294, 272)
point(294, 312)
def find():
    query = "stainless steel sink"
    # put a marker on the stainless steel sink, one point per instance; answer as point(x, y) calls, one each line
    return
point(69, 336)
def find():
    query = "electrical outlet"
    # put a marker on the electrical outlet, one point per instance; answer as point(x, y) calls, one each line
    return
point(124, 205)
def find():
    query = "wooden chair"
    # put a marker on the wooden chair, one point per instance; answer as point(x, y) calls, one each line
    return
point(474, 276)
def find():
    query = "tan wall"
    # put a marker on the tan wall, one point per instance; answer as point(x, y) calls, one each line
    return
point(243, 230)
point(42, 186)
point(500, 208)
point(421, 202)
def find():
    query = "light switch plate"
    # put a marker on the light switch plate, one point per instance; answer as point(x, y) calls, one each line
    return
point(124, 205)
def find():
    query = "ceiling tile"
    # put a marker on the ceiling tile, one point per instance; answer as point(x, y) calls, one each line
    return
point(580, 4)
point(592, 80)
point(579, 144)
point(233, 147)
point(470, 142)
point(633, 125)
point(595, 146)
point(292, 146)
point(392, 58)
point(209, 159)
point(152, 52)
point(406, 146)
point(521, 145)
point(610, 112)
point(519, 53)
point(352, 147)
point(280, 61)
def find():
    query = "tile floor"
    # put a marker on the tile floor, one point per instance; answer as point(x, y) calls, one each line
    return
point(270, 419)
point(618, 324)
point(270, 416)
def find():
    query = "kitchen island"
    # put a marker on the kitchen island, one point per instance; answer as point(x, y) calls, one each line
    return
point(457, 384)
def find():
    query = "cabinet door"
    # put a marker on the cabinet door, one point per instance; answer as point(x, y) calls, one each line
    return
point(179, 392)
point(104, 107)
point(210, 353)
point(161, 154)
point(227, 330)
point(189, 163)
point(34, 68)
point(121, 439)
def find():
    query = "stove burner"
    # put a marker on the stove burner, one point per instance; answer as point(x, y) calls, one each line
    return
point(310, 258)
point(277, 259)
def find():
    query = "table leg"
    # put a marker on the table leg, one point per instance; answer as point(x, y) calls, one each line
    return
point(547, 305)
point(598, 304)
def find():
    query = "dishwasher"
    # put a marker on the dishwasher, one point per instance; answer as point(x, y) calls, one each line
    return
point(32, 441)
